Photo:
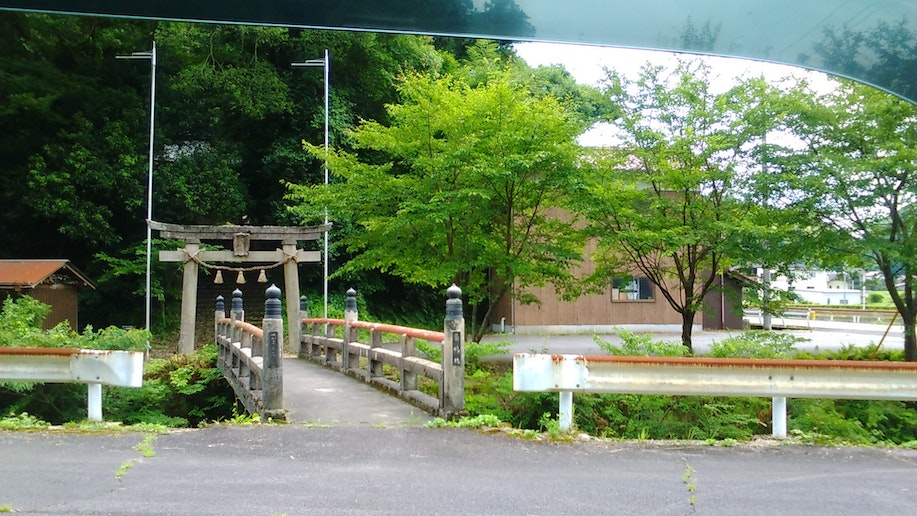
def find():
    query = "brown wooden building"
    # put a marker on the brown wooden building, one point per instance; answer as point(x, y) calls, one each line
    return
point(632, 303)
point(53, 282)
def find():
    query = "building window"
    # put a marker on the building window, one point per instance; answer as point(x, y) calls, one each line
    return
point(631, 288)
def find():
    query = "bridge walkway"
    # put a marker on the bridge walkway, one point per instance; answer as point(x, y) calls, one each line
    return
point(315, 395)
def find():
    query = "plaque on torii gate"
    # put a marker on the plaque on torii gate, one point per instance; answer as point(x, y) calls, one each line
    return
point(241, 236)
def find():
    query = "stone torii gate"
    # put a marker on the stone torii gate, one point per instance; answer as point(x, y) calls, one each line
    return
point(241, 236)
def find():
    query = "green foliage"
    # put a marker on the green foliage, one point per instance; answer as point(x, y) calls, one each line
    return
point(457, 188)
point(690, 483)
point(631, 416)
point(22, 315)
point(823, 418)
point(756, 344)
point(22, 421)
point(183, 390)
point(853, 352)
point(551, 426)
point(20, 326)
point(480, 421)
point(851, 179)
point(230, 116)
point(241, 417)
point(490, 391)
point(666, 199)
point(55, 403)
point(640, 344)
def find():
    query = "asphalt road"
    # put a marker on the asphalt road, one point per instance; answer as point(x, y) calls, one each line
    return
point(356, 453)
point(363, 469)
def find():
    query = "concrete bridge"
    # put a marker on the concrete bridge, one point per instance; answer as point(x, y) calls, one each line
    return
point(303, 384)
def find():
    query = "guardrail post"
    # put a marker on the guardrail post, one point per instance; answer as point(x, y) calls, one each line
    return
point(565, 410)
point(350, 315)
point(272, 378)
point(94, 405)
point(778, 416)
point(452, 390)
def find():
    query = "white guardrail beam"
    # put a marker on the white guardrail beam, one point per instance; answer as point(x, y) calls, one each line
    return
point(712, 377)
point(90, 366)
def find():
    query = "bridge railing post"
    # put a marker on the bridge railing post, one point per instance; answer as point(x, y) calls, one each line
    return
point(373, 366)
point(219, 314)
point(349, 361)
point(408, 377)
point(305, 336)
point(236, 313)
point(272, 377)
point(452, 389)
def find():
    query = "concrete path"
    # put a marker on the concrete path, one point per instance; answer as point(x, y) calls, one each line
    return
point(358, 469)
point(319, 396)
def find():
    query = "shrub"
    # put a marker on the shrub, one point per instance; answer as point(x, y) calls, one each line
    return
point(182, 390)
point(636, 344)
point(756, 344)
point(21, 326)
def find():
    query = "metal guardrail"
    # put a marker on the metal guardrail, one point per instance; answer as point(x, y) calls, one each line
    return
point(779, 379)
point(804, 318)
point(90, 366)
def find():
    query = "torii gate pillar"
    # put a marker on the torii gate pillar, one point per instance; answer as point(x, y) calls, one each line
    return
point(191, 256)
point(188, 301)
point(291, 289)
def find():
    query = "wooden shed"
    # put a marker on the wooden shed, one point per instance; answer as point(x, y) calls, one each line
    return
point(53, 282)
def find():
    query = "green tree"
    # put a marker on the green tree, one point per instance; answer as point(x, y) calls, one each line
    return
point(458, 187)
point(854, 177)
point(665, 200)
point(230, 116)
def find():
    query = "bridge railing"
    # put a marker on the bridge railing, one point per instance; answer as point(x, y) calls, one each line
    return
point(250, 357)
point(336, 343)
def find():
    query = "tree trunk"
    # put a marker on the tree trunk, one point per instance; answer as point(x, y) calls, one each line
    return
point(910, 340)
point(687, 327)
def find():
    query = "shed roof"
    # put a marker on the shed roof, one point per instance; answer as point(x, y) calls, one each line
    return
point(30, 273)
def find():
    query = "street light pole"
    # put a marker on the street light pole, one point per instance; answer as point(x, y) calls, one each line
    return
point(325, 63)
point(151, 55)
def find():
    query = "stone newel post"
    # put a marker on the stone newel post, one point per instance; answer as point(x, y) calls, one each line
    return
point(272, 381)
point(218, 314)
point(350, 335)
point(452, 392)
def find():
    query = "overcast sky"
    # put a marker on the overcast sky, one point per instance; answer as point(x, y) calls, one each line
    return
point(587, 64)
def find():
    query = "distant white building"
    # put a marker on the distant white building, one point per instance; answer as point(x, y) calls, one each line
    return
point(822, 287)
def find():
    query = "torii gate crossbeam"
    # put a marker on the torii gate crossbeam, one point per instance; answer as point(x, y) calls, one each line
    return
point(241, 236)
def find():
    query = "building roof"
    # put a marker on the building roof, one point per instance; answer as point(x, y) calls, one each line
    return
point(28, 274)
